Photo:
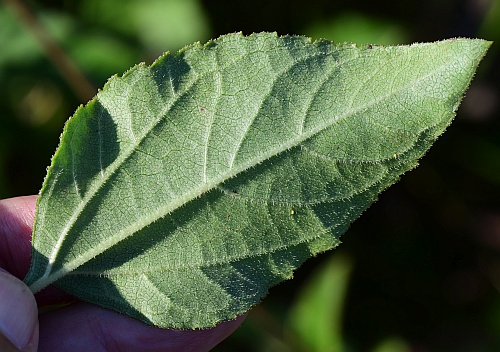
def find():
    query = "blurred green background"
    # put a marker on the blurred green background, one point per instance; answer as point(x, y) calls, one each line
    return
point(419, 271)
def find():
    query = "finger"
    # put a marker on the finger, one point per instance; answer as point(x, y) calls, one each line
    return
point(85, 327)
point(18, 315)
point(16, 223)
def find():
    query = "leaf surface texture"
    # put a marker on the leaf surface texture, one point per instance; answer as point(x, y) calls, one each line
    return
point(186, 189)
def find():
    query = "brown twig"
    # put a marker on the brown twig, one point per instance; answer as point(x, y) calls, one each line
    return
point(63, 63)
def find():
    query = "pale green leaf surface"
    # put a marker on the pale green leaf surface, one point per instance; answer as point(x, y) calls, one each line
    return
point(185, 190)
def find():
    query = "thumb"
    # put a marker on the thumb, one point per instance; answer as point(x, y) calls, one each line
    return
point(18, 316)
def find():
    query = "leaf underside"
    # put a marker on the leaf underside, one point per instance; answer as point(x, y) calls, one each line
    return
point(185, 190)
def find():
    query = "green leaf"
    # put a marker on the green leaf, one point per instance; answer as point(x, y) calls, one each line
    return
point(185, 190)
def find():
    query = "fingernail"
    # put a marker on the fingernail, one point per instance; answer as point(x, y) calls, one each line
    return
point(18, 316)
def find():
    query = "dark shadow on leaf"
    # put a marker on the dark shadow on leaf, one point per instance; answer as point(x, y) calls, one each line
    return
point(104, 292)
point(88, 146)
point(168, 73)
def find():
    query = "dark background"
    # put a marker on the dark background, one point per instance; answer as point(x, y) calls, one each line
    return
point(419, 271)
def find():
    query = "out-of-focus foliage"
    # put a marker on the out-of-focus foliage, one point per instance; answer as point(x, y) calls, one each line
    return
point(315, 318)
point(489, 25)
point(358, 28)
point(425, 264)
point(158, 25)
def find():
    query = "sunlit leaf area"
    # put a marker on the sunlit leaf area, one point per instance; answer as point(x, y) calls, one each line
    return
point(419, 271)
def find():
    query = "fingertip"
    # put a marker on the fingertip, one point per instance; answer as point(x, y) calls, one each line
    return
point(18, 315)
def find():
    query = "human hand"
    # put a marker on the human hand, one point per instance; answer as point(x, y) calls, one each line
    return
point(78, 326)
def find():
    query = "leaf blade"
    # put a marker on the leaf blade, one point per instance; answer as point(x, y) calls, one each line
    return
point(279, 149)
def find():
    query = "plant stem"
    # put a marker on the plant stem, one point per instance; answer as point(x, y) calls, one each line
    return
point(80, 85)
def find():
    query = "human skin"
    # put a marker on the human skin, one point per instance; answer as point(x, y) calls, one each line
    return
point(80, 326)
